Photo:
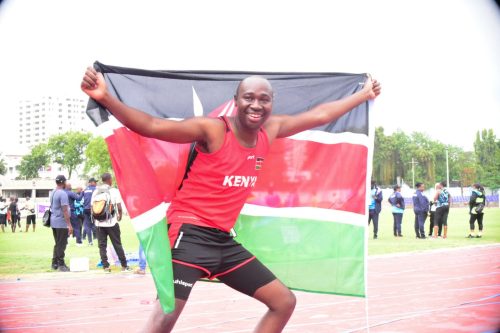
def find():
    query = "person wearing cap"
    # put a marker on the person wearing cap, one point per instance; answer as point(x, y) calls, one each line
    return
point(60, 223)
point(89, 228)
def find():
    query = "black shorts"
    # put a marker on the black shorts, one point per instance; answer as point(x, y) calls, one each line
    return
point(200, 252)
point(441, 215)
point(3, 219)
point(31, 219)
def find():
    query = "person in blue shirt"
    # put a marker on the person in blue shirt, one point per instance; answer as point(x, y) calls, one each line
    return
point(75, 222)
point(420, 208)
point(442, 199)
point(398, 207)
point(375, 207)
point(89, 228)
point(60, 223)
point(476, 209)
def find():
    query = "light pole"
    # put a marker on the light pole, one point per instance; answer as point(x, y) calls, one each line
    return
point(447, 170)
point(413, 171)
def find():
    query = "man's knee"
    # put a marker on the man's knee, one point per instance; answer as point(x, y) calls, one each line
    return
point(163, 322)
point(284, 304)
point(290, 301)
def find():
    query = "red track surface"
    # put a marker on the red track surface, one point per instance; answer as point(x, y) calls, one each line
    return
point(454, 290)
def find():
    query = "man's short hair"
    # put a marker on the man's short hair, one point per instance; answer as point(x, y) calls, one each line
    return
point(443, 183)
point(417, 185)
point(92, 180)
point(396, 187)
point(106, 176)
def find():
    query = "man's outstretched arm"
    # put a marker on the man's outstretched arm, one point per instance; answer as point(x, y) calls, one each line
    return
point(189, 130)
point(283, 125)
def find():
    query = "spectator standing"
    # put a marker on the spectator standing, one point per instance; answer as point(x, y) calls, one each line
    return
point(18, 215)
point(75, 221)
point(60, 223)
point(398, 207)
point(375, 207)
point(12, 214)
point(477, 203)
point(4, 207)
point(442, 199)
point(29, 206)
point(420, 208)
point(432, 215)
point(142, 262)
point(79, 209)
point(109, 226)
point(89, 228)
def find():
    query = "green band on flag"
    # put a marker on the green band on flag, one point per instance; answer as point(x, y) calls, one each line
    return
point(156, 245)
point(305, 252)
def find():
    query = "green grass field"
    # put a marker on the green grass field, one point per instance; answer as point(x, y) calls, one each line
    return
point(458, 229)
point(26, 253)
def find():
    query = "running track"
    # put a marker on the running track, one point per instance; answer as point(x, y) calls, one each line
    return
point(453, 290)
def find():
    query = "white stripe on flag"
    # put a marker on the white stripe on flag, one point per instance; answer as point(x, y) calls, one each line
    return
point(306, 213)
point(231, 109)
point(332, 138)
point(197, 106)
point(223, 112)
point(106, 128)
point(150, 218)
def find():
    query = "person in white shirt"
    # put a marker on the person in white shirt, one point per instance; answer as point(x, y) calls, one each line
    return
point(3, 213)
point(109, 226)
point(29, 206)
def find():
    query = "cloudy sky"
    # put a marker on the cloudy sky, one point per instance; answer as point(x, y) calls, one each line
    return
point(438, 60)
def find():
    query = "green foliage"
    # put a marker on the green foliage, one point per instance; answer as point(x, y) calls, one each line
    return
point(392, 159)
point(30, 164)
point(68, 149)
point(487, 151)
point(97, 160)
point(3, 167)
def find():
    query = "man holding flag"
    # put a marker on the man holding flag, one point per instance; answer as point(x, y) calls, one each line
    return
point(231, 151)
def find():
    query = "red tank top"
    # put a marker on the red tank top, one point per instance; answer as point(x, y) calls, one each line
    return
point(219, 183)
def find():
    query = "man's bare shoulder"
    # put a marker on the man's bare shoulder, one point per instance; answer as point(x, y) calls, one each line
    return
point(211, 124)
point(272, 126)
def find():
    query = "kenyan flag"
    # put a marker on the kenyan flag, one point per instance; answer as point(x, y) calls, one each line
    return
point(306, 218)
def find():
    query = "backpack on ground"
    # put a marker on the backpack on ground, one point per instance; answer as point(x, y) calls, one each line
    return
point(102, 209)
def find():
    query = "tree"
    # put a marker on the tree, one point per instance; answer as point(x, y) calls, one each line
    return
point(31, 164)
point(487, 151)
point(3, 167)
point(394, 154)
point(68, 149)
point(97, 160)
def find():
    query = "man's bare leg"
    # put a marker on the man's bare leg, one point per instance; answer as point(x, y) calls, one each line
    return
point(163, 322)
point(281, 303)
